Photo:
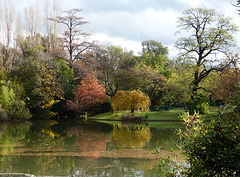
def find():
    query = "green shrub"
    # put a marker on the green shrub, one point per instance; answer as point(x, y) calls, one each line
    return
point(12, 107)
point(212, 149)
point(200, 104)
point(3, 114)
point(18, 111)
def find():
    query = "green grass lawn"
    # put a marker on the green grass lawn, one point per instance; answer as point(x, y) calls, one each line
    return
point(170, 115)
point(165, 115)
point(163, 119)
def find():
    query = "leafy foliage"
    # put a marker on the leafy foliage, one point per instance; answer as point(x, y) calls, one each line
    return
point(39, 79)
point(12, 107)
point(210, 34)
point(130, 101)
point(89, 95)
point(148, 80)
point(212, 149)
point(176, 90)
point(200, 104)
point(3, 114)
point(224, 84)
point(64, 76)
point(154, 54)
point(114, 64)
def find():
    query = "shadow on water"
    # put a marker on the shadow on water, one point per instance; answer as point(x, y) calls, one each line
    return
point(85, 148)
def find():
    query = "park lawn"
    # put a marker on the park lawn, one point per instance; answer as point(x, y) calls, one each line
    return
point(168, 115)
point(163, 119)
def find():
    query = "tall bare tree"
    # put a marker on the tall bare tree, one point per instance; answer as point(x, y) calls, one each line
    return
point(52, 28)
point(1, 36)
point(19, 28)
point(32, 20)
point(74, 39)
point(7, 30)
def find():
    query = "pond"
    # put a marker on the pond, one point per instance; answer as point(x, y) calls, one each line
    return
point(84, 148)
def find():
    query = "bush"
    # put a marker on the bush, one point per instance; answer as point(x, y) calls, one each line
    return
point(200, 104)
point(18, 111)
point(12, 108)
point(134, 117)
point(212, 149)
point(3, 114)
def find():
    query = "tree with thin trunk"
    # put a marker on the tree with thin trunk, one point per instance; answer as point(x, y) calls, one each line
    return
point(33, 20)
point(8, 19)
point(114, 63)
point(208, 47)
point(52, 27)
point(74, 39)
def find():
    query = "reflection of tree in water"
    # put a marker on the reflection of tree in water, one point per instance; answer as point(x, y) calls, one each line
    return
point(163, 138)
point(90, 142)
point(130, 137)
point(14, 133)
point(3, 127)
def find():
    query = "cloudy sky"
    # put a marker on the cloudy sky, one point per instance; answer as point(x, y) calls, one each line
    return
point(129, 22)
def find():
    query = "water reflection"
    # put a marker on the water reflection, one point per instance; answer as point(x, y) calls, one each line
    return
point(133, 137)
point(50, 148)
point(91, 142)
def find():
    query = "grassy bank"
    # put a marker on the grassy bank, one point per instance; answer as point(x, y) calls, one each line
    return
point(170, 115)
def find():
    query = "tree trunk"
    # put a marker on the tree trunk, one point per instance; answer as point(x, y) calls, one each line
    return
point(132, 109)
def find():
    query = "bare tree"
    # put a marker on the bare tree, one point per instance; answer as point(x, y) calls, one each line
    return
point(32, 20)
point(1, 21)
point(74, 39)
point(8, 19)
point(52, 29)
point(19, 28)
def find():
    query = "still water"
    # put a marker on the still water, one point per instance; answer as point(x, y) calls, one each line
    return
point(84, 148)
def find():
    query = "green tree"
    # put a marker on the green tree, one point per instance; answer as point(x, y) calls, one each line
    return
point(39, 79)
point(64, 76)
point(155, 47)
point(148, 80)
point(114, 64)
point(210, 34)
point(176, 89)
point(154, 54)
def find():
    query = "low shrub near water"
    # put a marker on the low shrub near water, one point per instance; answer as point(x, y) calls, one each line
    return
point(136, 117)
point(212, 149)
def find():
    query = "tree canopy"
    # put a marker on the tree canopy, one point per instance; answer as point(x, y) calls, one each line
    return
point(89, 95)
point(130, 101)
point(210, 34)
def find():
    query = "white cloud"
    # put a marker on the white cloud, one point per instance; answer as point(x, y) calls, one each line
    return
point(144, 25)
point(117, 41)
point(195, 3)
point(129, 22)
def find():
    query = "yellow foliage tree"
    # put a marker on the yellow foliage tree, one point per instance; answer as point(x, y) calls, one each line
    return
point(130, 101)
point(130, 137)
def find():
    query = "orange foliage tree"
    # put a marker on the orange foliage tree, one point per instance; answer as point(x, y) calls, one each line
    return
point(130, 101)
point(225, 84)
point(89, 95)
